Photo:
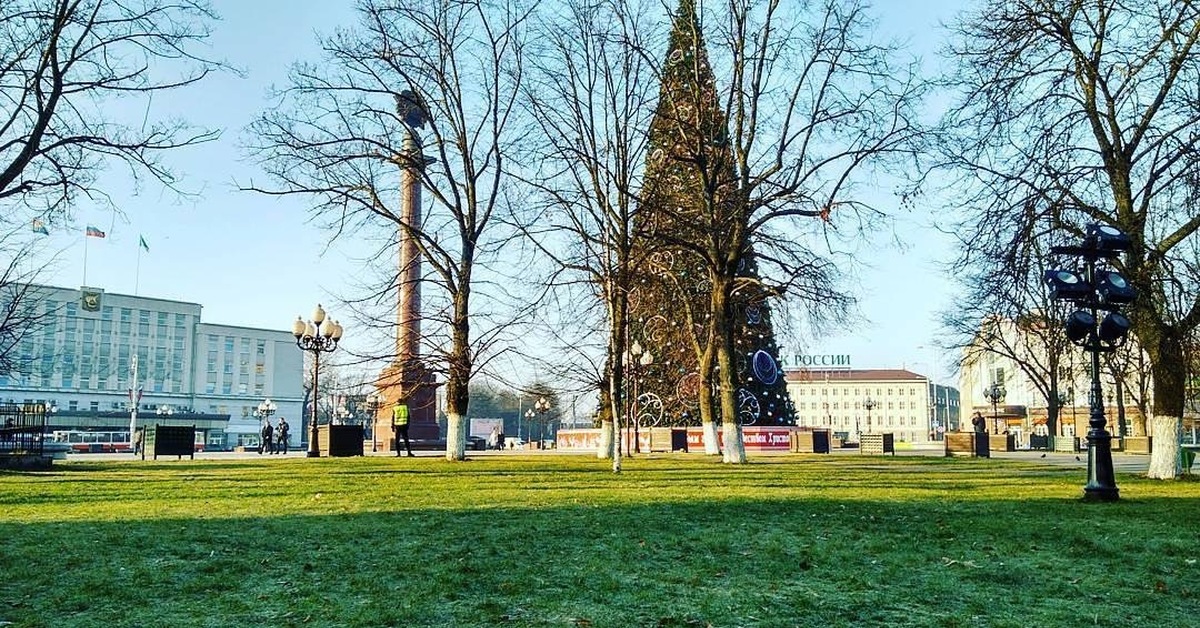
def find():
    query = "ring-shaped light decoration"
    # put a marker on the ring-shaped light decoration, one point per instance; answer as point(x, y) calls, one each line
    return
point(765, 368)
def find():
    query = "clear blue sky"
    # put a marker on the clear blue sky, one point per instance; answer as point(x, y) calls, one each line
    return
point(255, 261)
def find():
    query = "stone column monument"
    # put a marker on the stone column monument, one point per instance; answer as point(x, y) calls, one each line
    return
point(408, 378)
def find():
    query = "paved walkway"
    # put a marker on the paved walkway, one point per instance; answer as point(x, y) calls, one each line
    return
point(1122, 462)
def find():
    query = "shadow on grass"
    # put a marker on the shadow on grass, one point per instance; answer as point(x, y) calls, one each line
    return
point(739, 561)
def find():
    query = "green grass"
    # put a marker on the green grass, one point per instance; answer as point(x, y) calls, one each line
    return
point(561, 541)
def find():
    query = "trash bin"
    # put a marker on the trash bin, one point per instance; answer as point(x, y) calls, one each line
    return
point(982, 445)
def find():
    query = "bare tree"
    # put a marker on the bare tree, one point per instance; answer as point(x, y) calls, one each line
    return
point(589, 96)
point(1007, 312)
point(65, 68)
point(23, 308)
point(339, 139)
point(1088, 112)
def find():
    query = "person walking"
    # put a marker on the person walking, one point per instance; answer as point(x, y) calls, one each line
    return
point(493, 441)
point(282, 435)
point(268, 441)
point(400, 422)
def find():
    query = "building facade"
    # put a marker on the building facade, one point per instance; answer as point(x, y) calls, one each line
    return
point(851, 402)
point(91, 354)
point(1023, 407)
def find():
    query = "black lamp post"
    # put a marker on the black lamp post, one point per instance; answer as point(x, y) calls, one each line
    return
point(1094, 290)
point(374, 400)
point(870, 404)
point(641, 358)
point(995, 394)
point(541, 406)
point(316, 336)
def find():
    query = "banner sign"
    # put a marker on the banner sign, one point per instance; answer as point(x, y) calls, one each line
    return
point(804, 360)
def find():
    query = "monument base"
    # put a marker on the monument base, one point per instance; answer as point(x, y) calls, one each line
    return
point(416, 387)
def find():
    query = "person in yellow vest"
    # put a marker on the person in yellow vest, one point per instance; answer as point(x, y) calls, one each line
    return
point(400, 422)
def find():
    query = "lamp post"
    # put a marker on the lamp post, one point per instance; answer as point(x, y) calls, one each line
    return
point(1093, 290)
point(264, 411)
point(542, 406)
point(374, 400)
point(870, 404)
point(319, 335)
point(529, 414)
point(640, 359)
point(995, 394)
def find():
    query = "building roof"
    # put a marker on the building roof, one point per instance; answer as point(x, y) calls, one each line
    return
point(852, 375)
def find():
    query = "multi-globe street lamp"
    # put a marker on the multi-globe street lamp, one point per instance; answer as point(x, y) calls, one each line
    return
point(374, 400)
point(638, 360)
point(316, 336)
point(995, 394)
point(870, 404)
point(1094, 289)
point(541, 406)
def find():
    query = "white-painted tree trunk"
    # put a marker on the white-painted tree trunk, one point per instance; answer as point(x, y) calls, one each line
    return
point(735, 449)
point(1164, 454)
point(708, 432)
point(456, 437)
point(604, 448)
point(617, 451)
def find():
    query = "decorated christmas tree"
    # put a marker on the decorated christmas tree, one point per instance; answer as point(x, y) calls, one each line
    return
point(690, 199)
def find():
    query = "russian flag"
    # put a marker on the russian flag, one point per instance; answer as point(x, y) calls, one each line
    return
point(93, 232)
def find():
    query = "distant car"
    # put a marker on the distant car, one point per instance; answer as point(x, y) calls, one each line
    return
point(514, 442)
point(475, 443)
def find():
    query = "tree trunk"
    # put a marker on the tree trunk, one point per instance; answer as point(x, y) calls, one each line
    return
point(456, 436)
point(1166, 426)
point(605, 447)
point(1164, 456)
point(708, 422)
point(734, 450)
point(458, 379)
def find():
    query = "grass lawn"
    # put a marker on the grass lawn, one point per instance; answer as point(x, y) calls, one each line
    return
point(561, 541)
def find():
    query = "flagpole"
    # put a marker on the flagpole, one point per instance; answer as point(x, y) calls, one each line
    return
point(137, 273)
point(85, 248)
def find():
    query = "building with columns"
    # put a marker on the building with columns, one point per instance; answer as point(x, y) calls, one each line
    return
point(851, 402)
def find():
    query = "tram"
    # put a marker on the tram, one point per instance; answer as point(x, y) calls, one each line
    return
point(94, 442)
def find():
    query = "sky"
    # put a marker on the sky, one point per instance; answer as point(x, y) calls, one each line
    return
point(256, 261)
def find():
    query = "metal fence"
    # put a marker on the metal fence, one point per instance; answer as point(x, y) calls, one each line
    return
point(24, 427)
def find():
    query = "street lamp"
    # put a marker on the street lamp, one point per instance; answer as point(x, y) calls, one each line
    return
point(870, 404)
point(542, 406)
point(638, 359)
point(318, 335)
point(529, 414)
point(265, 409)
point(374, 400)
point(1094, 290)
point(995, 394)
point(164, 410)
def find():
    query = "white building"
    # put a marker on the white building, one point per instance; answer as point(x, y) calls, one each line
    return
point(81, 360)
point(860, 401)
point(1023, 408)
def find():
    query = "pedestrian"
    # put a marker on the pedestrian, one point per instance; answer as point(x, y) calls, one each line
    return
point(268, 442)
point(493, 438)
point(400, 423)
point(500, 438)
point(978, 422)
point(282, 437)
point(138, 435)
